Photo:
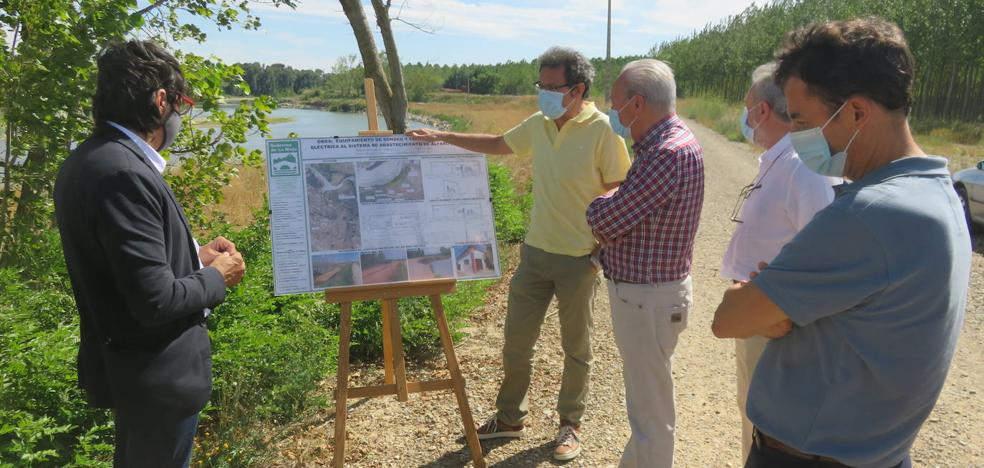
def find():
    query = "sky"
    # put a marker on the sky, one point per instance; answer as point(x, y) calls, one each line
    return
point(316, 33)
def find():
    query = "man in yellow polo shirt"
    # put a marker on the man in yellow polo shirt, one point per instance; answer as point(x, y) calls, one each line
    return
point(576, 157)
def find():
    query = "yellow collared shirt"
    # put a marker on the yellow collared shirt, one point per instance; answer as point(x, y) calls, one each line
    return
point(570, 167)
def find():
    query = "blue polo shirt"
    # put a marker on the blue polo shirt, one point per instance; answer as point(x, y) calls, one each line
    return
point(876, 284)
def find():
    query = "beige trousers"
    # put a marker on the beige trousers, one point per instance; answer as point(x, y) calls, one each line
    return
point(747, 354)
point(647, 320)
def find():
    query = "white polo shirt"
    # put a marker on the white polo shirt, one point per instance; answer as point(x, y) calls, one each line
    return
point(789, 196)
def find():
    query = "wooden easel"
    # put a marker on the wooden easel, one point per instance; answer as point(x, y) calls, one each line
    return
point(394, 363)
point(371, 112)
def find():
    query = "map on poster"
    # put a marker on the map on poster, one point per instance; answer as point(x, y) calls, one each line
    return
point(370, 210)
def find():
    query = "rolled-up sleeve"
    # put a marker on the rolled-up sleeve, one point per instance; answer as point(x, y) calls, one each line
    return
point(651, 182)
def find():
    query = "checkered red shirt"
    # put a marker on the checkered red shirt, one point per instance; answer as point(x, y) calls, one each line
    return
point(652, 219)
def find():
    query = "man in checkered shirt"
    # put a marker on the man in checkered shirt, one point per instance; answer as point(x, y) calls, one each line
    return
point(647, 228)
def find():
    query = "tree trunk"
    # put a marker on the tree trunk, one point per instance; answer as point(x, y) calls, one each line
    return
point(399, 102)
point(370, 57)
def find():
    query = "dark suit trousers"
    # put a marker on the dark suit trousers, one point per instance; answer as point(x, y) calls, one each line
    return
point(140, 443)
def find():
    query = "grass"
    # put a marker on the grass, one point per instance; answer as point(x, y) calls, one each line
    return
point(244, 195)
point(960, 142)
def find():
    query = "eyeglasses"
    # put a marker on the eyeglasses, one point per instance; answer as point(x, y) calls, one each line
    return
point(546, 87)
point(183, 104)
point(746, 192)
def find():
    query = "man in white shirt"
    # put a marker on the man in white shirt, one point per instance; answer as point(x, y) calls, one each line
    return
point(779, 202)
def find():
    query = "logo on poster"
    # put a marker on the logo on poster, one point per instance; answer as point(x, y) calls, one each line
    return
point(284, 158)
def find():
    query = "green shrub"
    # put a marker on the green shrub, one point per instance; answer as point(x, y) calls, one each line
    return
point(268, 354)
point(511, 210)
point(714, 113)
point(951, 131)
point(44, 420)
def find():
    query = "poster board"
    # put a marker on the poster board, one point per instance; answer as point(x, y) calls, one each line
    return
point(348, 211)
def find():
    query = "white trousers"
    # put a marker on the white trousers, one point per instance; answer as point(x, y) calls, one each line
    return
point(647, 320)
point(747, 354)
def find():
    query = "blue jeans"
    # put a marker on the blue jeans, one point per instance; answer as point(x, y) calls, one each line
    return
point(140, 443)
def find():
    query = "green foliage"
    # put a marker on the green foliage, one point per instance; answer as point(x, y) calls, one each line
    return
point(422, 81)
point(964, 133)
point(511, 210)
point(946, 39)
point(208, 152)
point(47, 76)
point(713, 113)
point(274, 80)
point(268, 354)
point(43, 419)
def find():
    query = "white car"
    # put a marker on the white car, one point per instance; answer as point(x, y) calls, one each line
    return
point(969, 184)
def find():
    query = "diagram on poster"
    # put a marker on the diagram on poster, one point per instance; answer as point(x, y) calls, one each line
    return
point(375, 210)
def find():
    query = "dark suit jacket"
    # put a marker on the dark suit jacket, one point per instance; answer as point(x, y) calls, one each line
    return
point(136, 281)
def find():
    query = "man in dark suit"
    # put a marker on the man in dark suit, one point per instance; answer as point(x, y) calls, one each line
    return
point(142, 284)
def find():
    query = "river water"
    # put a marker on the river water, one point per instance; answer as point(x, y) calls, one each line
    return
point(306, 123)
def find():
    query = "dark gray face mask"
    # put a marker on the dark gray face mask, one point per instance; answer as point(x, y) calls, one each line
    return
point(172, 126)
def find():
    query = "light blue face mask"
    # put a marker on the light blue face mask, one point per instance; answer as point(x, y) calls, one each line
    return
point(616, 121)
point(552, 103)
point(746, 131)
point(814, 150)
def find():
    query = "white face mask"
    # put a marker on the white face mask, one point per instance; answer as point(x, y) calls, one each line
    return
point(814, 151)
point(552, 103)
point(747, 131)
point(615, 119)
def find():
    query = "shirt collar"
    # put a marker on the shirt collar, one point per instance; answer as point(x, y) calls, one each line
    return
point(780, 148)
point(587, 112)
point(149, 152)
point(909, 166)
point(652, 136)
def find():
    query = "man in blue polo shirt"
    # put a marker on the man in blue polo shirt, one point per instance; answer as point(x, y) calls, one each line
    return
point(865, 304)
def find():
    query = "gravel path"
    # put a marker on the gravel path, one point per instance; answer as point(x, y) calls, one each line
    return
point(426, 431)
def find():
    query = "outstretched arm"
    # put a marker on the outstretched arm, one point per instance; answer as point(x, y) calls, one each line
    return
point(477, 142)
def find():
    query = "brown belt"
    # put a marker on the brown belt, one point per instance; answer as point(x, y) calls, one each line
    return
point(762, 439)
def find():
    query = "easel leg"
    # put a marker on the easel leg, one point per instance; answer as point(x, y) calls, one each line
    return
point(399, 360)
point(387, 344)
point(471, 435)
point(341, 387)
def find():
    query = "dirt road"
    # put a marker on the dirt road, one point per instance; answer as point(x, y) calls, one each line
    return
point(426, 430)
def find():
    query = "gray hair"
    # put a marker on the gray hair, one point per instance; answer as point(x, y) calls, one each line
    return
point(653, 80)
point(764, 87)
point(577, 67)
